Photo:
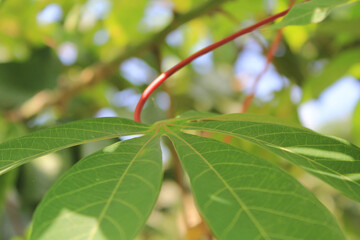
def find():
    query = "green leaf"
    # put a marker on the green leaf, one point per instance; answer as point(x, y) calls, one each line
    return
point(195, 115)
point(332, 72)
point(107, 195)
point(333, 160)
point(21, 80)
point(18, 151)
point(290, 65)
point(313, 11)
point(7, 181)
point(242, 195)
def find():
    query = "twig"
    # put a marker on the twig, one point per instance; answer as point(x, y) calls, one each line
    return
point(269, 58)
point(160, 79)
point(270, 55)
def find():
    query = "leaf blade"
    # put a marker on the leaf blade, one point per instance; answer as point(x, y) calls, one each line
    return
point(261, 202)
point(313, 11)
point(109, 194)
point(333, 160)
point(18, 151)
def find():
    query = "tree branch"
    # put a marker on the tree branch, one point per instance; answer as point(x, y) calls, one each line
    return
point(162, 77)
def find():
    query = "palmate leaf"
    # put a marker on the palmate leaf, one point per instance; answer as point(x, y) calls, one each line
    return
point(333, 160)
point(244, 197)
point(20, 150)
point(107, 195)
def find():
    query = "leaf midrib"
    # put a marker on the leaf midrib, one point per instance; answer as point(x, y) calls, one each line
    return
point(103, 212)
point(16, 163)
point(240, 202)
point(271, 145)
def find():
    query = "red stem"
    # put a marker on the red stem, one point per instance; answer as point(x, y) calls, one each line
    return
point(269, 58)
point(270, 55)
point(160, 79)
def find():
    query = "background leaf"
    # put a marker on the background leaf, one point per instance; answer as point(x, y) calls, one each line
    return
point(334, 70)
point(313, 11)
point(333, 160)
point(242, 195)
point(107, 195)
point(18, 151)
point(40, 71)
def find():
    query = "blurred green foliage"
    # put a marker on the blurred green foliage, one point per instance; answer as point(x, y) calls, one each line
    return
point(80, 59)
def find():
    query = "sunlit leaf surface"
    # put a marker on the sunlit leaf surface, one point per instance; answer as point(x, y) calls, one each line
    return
point(110, 194)
point(242, 195)
point(107, 195)
point(21, 150)
point(333, 160)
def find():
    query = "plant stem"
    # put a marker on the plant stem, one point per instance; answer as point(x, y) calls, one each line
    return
point(270, 55)
point(160, 79)
point(269, 58)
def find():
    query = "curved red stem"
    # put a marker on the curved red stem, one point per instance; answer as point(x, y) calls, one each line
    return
point(160, 79)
